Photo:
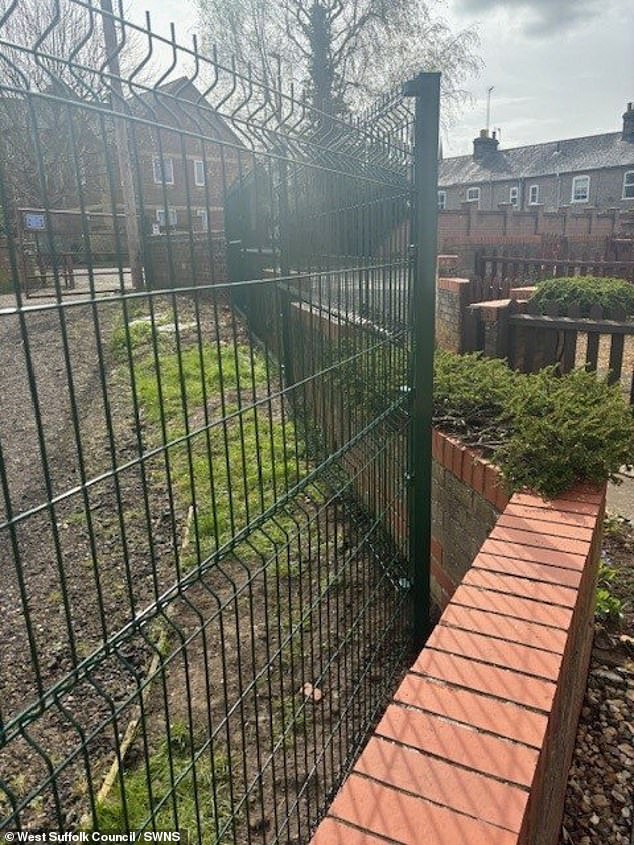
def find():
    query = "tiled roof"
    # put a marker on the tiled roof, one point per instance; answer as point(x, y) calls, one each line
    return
point(569, 156)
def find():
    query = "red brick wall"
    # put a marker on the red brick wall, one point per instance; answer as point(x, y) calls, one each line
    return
point(492, 227)
point(467, 491)
point(465, 231)
point(476, 744)
point(180, 261)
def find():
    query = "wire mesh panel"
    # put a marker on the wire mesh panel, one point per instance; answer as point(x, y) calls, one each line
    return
point(206, 580)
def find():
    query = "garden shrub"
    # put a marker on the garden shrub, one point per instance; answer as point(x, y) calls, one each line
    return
point(545, 431)
point(471, 391)
point(565, 428)
point(613, 295)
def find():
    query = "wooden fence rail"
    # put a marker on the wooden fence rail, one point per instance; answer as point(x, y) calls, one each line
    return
point(513, 271)
point(533, 341)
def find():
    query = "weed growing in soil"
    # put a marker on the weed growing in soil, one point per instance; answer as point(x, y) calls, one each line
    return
point(616, 526)
point(609, 608)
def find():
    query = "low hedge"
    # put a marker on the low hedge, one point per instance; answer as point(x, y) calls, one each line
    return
point(613, 295)
point(545, 431)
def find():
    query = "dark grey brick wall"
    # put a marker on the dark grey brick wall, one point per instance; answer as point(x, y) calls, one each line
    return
point(461, 521)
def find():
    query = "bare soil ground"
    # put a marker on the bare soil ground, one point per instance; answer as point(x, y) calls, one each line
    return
point(269, 663)
point(84, 566)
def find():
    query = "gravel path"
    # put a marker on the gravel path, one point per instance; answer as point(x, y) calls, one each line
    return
point(600, 785)
point(599, 808)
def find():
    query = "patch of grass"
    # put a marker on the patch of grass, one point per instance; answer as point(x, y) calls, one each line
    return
point(184, 379)
point(142, 330)
point(141, 334)
point(293, 716)
point(76, 517)
point(236, 469)
point(176, 771)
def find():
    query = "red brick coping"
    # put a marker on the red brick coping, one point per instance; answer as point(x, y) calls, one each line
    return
point(475, 747)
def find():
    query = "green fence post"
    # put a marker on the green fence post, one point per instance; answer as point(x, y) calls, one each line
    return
point(426, 89)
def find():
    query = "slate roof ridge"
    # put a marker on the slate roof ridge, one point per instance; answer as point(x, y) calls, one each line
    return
point(537, 144)
point(547, 158)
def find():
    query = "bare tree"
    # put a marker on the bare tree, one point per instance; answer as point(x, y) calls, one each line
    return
point(342, 52)
point(54, 61)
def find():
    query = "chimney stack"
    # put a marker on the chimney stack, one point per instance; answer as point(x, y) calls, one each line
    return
point(484, 145)
point(628, 124)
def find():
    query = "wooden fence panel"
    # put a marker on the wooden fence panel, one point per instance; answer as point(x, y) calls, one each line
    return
point(538, 340)
point(515, 271)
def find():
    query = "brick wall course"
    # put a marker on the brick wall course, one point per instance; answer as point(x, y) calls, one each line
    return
point(464, 231)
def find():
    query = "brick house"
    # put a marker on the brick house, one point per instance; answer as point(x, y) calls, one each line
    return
point(185, 156)
point(592, 172)
point(184, 173)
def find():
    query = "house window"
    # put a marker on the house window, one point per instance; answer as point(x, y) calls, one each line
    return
point(514, 195)
point(442, 200)
point(202, 216)
point(473, 195)
point(533, 195)
point(160, 216)
point(581, 189)
point(163, 170)
point(628, 185)
point(199, 173)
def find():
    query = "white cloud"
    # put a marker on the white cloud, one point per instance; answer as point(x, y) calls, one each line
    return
point(542, 17)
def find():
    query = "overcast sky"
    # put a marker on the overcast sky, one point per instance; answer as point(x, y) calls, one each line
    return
point(560, 68)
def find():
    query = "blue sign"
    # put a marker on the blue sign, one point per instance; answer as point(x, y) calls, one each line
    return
point(34, 221)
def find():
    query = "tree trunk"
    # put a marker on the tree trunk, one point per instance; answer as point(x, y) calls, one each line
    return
point(321, 67)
